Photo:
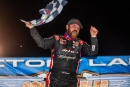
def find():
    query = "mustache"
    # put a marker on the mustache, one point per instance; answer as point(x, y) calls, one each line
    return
point(74, 31)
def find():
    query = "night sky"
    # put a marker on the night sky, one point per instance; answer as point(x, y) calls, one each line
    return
point(110, 17)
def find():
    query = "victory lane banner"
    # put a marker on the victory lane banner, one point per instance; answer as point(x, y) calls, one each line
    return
point(99, 71)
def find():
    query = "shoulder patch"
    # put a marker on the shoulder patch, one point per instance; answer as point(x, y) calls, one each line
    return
point(56, 37)
point(81, 42)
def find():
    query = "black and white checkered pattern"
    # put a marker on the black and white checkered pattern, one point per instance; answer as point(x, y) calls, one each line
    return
point(51, 11)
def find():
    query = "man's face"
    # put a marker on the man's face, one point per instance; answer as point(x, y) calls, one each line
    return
point(73, 30)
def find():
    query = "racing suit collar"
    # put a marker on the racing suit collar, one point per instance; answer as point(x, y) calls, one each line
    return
point(66, 35)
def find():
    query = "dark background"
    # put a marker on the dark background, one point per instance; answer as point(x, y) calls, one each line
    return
point(110, 17)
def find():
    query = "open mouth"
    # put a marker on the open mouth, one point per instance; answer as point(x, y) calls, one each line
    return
point(75, 32)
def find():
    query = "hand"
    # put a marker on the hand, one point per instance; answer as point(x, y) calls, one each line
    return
point(93, 31)
point(29, 25)
point(77, 43)
point(61, 41)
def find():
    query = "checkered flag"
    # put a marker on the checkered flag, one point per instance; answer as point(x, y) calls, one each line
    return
point(50, 12)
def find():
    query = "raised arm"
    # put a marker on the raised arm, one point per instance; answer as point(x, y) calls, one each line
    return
point(45, 43)
point(92, 49)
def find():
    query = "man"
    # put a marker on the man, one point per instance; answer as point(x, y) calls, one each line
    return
point(66, 51)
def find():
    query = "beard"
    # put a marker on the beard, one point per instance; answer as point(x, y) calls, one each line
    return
point(73, 34)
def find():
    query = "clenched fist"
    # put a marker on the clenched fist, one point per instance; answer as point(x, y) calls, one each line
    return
point(93, 31)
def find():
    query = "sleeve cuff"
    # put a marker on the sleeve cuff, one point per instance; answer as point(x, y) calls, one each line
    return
point(32, 29)
point(94, 39)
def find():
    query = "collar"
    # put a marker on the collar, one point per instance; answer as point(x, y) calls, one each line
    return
point(66, 35)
